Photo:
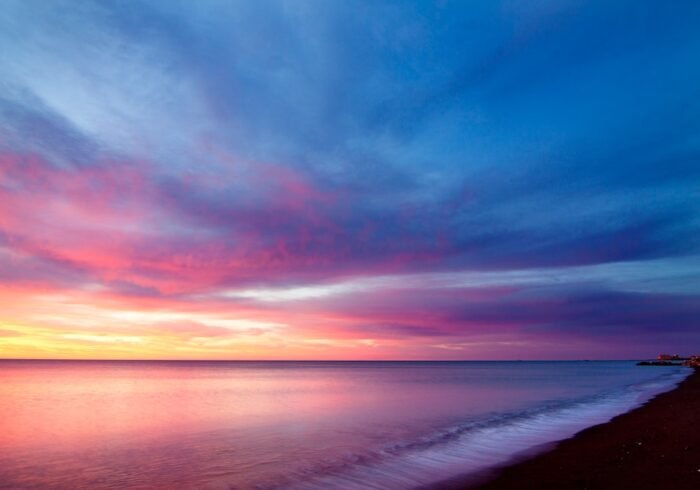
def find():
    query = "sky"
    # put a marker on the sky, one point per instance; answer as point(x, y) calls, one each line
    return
point(349, 179)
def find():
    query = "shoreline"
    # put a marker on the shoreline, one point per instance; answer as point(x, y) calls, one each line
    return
point(656, 445)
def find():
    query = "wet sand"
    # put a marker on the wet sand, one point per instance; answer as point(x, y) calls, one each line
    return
point(654, 446)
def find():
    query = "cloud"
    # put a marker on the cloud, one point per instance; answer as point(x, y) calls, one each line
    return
point(190, 330)
point(406, 170)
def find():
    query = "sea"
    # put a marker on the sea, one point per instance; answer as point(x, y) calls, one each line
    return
point(296, 425)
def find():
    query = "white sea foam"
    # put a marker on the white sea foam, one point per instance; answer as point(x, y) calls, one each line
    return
point(483, 444)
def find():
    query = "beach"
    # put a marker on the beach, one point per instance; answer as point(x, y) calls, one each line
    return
point(654, 446)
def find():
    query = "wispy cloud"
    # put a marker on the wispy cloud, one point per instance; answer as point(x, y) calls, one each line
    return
point(373, 179)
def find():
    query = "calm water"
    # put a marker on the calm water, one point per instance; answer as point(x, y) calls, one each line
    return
point(243, 425)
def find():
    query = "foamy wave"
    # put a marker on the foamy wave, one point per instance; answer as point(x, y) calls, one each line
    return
point(478, 445)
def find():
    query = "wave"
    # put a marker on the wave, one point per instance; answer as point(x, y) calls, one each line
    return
point(475, 446)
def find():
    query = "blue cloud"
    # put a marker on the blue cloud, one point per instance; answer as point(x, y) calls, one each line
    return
point(316, 140)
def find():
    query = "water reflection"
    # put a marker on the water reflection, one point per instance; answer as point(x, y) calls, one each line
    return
point(236, 425)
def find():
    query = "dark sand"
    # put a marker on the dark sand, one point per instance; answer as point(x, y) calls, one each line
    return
point(656, 446)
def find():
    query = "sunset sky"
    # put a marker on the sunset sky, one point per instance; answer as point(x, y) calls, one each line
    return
point(349, 180)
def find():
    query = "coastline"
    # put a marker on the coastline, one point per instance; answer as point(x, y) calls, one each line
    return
point(656, 445)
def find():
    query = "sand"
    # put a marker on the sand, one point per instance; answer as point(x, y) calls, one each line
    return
point(654, 446)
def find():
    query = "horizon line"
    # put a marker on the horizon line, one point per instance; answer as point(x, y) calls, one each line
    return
point(318, 360)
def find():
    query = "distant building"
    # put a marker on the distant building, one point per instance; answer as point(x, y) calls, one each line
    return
point(693, 361)
point(667, 357)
